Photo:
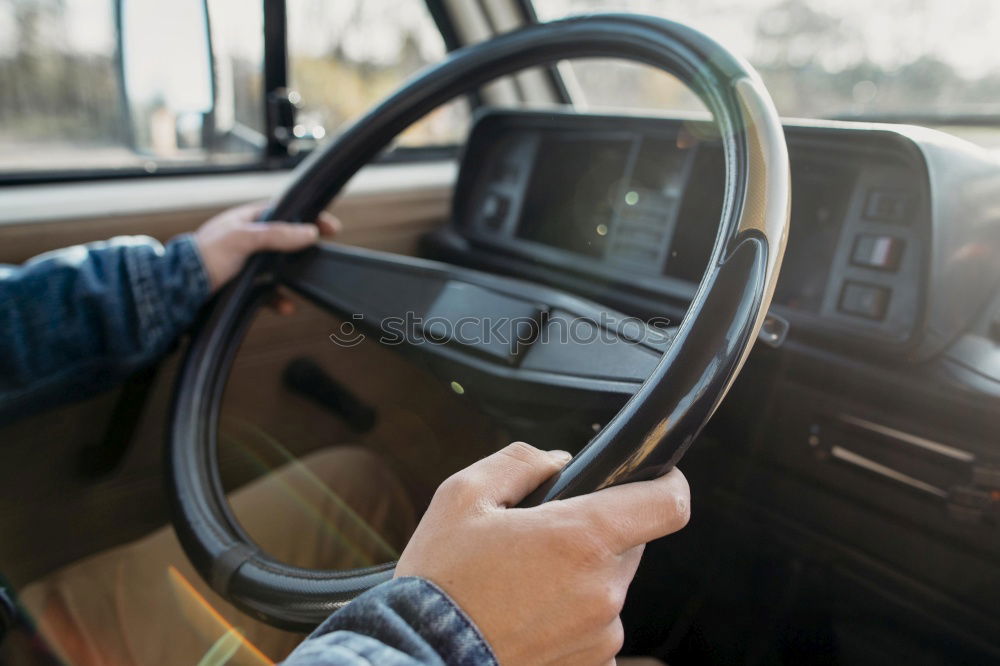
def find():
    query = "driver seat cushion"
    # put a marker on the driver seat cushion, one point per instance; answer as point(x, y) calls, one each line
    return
point(143, 603)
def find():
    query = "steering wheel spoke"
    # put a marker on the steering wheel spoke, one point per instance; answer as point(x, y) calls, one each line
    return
point(505, 340)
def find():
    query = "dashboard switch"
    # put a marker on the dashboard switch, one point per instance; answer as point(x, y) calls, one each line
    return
point(864, 300)
point(886, 205)
point(877, 251)
point(494, 210)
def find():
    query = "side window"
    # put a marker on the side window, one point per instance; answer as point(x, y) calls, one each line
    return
point(60, 104)
point(118, 86)
point(345, 56)
point(617, 85)
point(108, 85)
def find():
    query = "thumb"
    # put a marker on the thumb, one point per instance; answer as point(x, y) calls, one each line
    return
point(283, 236)
point(507, 476)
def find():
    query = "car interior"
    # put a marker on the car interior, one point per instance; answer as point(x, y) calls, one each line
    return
point(846, 489)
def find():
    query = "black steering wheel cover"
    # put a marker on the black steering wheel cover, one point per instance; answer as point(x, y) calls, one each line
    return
point(657, 424)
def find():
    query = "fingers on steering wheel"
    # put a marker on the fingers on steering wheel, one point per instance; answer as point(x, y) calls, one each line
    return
point(636, 513)
point(506, 477)
point(328, 224)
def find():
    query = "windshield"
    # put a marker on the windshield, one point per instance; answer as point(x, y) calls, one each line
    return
point(931, 62)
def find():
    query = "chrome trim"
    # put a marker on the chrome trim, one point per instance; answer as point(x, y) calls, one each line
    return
point(914, 440)
point(858, 460)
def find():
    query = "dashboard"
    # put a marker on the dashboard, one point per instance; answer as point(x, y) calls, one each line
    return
point(878, 415)
point(637, 201)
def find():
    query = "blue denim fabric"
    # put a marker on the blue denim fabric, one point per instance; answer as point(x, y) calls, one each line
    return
point(80, 320)
point(404, 622)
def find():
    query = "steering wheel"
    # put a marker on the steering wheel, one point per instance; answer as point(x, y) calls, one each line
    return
point(657, 424)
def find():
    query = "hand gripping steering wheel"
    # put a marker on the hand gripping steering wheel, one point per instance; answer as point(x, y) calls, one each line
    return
point(644, 440)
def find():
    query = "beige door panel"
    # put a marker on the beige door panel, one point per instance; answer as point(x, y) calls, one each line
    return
point(385, 207)
point(50, 515)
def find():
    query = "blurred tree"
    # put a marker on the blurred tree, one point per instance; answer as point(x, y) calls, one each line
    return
point(791, 33)
point(51, 91)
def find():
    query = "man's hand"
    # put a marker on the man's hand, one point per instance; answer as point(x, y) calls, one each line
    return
point(545, 585)
point(227, 240)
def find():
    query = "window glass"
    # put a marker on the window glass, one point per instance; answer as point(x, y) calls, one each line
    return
point(75, 97)
point(238, 48)
point(926, 61)
point(606, 84)
point(345, 56)
point(60, 101)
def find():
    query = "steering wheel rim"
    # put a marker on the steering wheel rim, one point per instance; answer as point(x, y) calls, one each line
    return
point(654, 428)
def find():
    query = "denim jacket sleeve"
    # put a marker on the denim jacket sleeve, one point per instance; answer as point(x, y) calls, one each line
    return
point(79, 320)
point(404, 622)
